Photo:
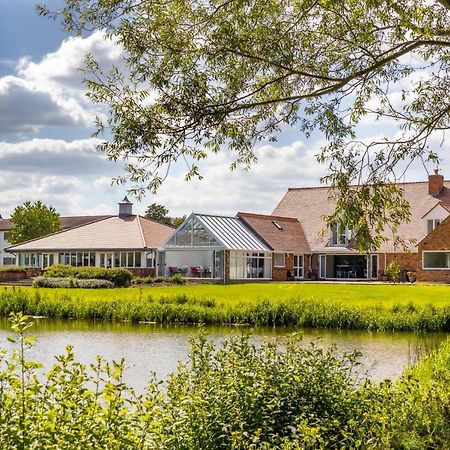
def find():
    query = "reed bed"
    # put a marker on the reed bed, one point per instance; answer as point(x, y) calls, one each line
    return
point(181, 308)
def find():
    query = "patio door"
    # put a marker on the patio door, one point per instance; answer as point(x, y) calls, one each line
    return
point(298, 266)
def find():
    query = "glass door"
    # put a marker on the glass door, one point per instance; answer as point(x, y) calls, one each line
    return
point(298, 266)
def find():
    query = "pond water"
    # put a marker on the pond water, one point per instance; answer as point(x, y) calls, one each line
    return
point(159, 348)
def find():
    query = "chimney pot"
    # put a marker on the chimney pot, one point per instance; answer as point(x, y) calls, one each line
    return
point(435, 183)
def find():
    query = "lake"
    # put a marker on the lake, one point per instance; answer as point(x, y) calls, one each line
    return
point(159, 348)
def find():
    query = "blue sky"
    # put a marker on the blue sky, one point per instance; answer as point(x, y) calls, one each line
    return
point(46, 122)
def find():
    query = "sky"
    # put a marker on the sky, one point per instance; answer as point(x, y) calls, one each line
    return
point(47, 152)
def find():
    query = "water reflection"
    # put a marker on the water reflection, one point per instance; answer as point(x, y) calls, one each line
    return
point(158, 348)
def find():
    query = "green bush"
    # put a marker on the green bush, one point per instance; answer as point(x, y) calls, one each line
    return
point(177, 279)
point(71, 283)
point(120, 277)
point(12, 269)
point(278, 395)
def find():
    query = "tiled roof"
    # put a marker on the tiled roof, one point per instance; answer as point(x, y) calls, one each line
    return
point(111, 233)
point(5, 224)
point(65, 222)
point(282, 234)
point(309, 205)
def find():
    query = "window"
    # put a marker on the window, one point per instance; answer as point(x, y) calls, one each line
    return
point(9, 261)
point(432, 224)
point(298, 266)
point(193, 234)
point(340, 235)
point(79, 259)
point(279, 260)
point(250, 265)
point(150, 259)
point(436, 260)
point(323, 266)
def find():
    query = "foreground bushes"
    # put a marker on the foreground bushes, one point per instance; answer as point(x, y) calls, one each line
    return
point(240, 396)
point(71, 283)
point(12, 269)
point(312, 313)
point(120, 277)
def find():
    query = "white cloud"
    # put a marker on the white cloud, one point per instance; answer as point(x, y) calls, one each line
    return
point(50, 93)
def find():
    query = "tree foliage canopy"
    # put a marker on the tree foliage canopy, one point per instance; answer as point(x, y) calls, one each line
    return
point(203, 74)
point(33, 220)
point(157, 212)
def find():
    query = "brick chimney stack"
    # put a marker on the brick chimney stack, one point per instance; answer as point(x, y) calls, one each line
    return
point(435, 183)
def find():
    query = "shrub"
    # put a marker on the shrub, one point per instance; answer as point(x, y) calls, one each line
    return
point(174, 279)
point(12, 269)
point(120, 277)
point(72, 283)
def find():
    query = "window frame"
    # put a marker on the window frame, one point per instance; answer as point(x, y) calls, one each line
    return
point(436, 251)
point(278, 255)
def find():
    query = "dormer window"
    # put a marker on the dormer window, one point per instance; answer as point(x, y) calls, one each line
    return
point(432, 224)
point(340, 235)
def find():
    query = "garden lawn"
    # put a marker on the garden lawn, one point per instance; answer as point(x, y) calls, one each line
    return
point(386, 296)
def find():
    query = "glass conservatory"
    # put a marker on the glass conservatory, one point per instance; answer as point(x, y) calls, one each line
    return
point(198, 248)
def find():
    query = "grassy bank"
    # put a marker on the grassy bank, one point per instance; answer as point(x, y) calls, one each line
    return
point(278, 395)
point(365, 307)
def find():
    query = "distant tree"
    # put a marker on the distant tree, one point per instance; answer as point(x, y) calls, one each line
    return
point(33, 220)
point(177, 221)
point(158, 212)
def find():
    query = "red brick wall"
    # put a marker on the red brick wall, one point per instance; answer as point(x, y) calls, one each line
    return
point(280, 273)
point(439, 239)
point(409, 262)
point(12, 276)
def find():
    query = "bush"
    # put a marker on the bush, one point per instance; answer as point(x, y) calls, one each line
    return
point(174, 279)
point(120, 277)
point(71, 283)
point(278, 395)
point(12, 269)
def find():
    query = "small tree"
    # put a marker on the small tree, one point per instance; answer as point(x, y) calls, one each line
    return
point(157, 212)
point(177, 221)
point(33, 220)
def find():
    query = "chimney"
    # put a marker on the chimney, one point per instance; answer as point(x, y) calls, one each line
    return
point(435, 183)
point(125, 208)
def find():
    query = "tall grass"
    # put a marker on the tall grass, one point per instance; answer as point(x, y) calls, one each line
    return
point(303, 312)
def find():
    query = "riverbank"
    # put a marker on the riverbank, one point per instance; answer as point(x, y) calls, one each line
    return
point(363, 307)
point(278, 395)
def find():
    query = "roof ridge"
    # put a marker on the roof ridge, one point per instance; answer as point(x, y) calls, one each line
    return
point(138, 217)
point(268, 216)
point(355, 185)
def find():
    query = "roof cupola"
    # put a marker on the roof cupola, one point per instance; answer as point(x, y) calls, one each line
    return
point(125, 208)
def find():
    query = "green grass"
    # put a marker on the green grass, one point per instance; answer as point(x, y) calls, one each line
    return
point(234, 294)
point(371, 307)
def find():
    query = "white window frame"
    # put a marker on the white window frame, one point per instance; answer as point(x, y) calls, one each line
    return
point(435, 224)
point(435, 251)
point(346, 234)
point(297, 267)
point(276, 263)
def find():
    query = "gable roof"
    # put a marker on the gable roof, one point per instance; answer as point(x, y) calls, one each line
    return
point(309, 205)
point(282, 234)
point(111, 233)
point(5, 225)
point(229, 232)
point(232, 232)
